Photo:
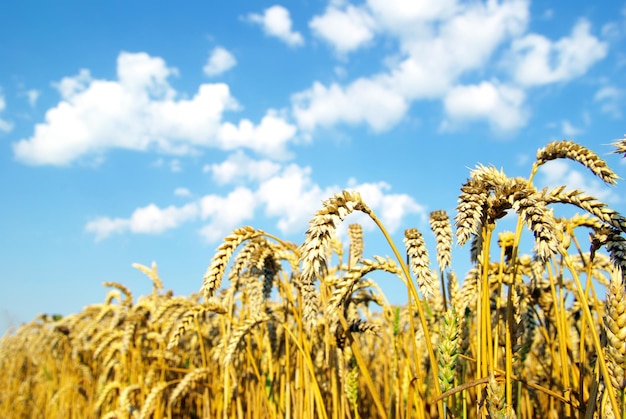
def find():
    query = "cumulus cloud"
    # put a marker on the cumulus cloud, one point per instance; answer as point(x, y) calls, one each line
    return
point(226, 213)
point(287, 194)
point(368, 101)
point(535, 60)
point(276, 22)
point(403, 17)
point(457, 39)
point(141, 111)
point(219, 62)
point(269, 137)
point(345, 30)
point(502, 106)
point(239, 167)
point(145, 220)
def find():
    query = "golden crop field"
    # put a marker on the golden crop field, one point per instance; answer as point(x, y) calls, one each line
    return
point(303, 331)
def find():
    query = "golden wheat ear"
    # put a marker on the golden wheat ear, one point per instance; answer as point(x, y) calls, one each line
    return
point(318, 240)
point(215, 272)
point(570, 150)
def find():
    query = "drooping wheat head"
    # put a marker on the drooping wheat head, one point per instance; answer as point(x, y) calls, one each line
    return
point(565, 149)
point(321, 231)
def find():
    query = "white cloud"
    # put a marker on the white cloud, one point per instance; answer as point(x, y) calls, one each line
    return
point(346, 30)
point(154, 220)
point(390, 208)
point(226, 213)
point(145, 220)
point(182, 192)
point(406, 17)
point(5, 126)
point(609, 98)
point(141, 112)
point(456, 39)
point(570, 130)
point(292, 197)
point(240, 167)
point(69, 86)
point(175, 166)
point(287, 194)
point(363, 101)
point(269, 137)
point(32, 95)
point(103, 227)
point(502, 106)
point(276, 22)
point(535, 60)
point(219, 62)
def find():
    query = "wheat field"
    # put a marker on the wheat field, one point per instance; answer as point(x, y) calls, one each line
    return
point(304, 331)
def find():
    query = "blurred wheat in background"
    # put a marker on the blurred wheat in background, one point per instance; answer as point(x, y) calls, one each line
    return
point(304, 331)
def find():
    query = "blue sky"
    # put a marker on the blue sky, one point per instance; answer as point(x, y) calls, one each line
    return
point(141, 131)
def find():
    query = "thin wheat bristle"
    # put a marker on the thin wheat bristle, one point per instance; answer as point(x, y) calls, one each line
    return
point(419, 261)
point(566, 149)
point(620, 146)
